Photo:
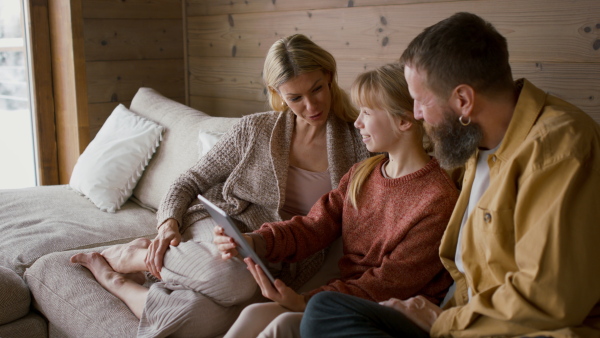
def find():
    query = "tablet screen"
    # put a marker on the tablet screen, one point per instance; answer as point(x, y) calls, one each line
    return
point(229, 225)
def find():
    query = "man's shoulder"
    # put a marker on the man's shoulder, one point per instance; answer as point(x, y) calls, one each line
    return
point(563, 129)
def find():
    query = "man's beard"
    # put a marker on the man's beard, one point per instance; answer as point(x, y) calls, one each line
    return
point(453, 143)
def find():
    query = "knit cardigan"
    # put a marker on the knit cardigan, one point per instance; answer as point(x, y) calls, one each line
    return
point(390, 242)
point(245, 174)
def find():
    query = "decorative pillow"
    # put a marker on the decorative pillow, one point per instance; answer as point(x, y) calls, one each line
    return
point(206, 140)
point(114, 161)
point(211, 131)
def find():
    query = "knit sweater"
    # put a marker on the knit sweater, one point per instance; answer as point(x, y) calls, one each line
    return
point(245, 174)
point(390, 243)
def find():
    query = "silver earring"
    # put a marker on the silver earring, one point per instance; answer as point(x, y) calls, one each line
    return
point(460, 119)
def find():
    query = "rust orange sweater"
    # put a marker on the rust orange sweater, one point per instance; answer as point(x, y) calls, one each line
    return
point(390, 243)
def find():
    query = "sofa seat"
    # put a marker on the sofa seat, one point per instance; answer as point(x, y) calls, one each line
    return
point(84, 308)
point(15, 319)
point(46, 219)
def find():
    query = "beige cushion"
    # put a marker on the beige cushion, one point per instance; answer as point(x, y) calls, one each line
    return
point(32, 325)
point(178, 150)
point(39, 220)
point(81, 307)
point(14, 296)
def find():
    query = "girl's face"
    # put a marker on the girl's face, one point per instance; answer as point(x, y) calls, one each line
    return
point(377, 129)
point(308, 95)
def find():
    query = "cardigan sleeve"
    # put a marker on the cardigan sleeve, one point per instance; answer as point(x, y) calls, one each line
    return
point(211, 169)
point(301, 236)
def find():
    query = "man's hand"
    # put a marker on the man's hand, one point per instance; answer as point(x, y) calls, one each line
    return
point(418, 309)
point(280, 293)
point(168, 234)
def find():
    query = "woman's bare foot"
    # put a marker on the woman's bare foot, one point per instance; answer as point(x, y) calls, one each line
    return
point(127, 258)
point(128, 289)
point(102, 271)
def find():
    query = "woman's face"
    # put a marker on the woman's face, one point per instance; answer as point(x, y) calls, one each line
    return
point(377, 130)
point(309, 96)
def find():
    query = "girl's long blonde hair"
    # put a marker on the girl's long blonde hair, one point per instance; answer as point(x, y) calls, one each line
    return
point(383, 88)
point(295, 55)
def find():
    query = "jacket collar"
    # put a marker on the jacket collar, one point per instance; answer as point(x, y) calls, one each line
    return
point(529, 107)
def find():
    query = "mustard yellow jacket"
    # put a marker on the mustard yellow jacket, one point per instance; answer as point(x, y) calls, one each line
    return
point(531, 247)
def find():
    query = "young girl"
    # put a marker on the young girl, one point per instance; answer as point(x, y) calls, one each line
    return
point(390, 210)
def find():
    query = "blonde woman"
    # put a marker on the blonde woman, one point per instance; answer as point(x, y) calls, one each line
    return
point(390, 211)
point(269, 167)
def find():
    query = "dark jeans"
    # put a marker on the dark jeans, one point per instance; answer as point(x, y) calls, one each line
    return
point(333, 314)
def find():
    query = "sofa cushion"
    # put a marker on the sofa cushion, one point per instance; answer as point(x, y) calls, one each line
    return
point(32, 325)
point(14, 296)
point(39, 220)
point(82, 308)
point(178, 150)
point(111, 165)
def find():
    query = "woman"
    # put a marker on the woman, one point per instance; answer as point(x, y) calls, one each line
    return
point(390, 210)
point(257, 173)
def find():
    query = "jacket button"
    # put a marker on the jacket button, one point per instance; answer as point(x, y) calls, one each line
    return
point(487, 217)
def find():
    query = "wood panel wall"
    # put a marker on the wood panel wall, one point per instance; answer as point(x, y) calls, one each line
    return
point(128, 45)
point(554, 43)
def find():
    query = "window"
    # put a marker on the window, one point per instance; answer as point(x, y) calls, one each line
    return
point(17, 152)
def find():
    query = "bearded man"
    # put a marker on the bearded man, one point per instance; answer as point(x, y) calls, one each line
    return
point(523, 243)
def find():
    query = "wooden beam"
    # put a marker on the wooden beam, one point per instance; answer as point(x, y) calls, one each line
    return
point(132, 9)
point(141, 39)
point(69, 82)
point(42, 95)
point(118, 81)
point(227, 107)
point(217, 7)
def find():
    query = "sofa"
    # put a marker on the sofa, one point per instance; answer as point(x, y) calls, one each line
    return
point(43, 294)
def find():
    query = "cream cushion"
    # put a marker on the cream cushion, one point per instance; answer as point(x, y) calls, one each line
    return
point(178, 150)
point(111, 165)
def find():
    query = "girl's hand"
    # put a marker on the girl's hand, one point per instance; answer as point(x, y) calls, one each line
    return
point(418, 309)
point(168, 234)
point(226, 245)
point(280, 292)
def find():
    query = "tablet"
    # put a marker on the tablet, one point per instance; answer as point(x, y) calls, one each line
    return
point(229, 225)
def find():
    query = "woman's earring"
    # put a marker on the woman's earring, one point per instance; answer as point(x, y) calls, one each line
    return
point(460, 119)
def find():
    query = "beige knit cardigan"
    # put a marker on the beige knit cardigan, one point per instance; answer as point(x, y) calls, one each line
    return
point(245, 174)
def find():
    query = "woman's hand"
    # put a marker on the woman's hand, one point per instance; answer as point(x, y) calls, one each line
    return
point(168, 234)
point(418, 309)
point(226, 245)
point(279, 293)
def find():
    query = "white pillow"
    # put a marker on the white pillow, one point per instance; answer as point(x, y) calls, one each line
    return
point(211, 130)
point(206, 140)
point(114, 161)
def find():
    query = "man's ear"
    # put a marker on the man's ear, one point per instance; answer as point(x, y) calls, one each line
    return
point(463, 99)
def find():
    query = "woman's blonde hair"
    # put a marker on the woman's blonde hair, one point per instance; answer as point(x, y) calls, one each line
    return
point(383, 88)
point(295, 55)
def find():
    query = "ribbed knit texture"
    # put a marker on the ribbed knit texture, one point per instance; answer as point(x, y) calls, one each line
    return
point(390, 243)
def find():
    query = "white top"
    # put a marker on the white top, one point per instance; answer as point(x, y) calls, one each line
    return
point(480, 185)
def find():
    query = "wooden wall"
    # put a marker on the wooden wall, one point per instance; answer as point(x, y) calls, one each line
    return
point(128, 45)
point(554, 43)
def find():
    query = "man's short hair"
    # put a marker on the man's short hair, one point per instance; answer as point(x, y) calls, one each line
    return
point(462, 49)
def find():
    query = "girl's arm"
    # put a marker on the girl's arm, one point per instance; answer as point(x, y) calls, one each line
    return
point(302, 236)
